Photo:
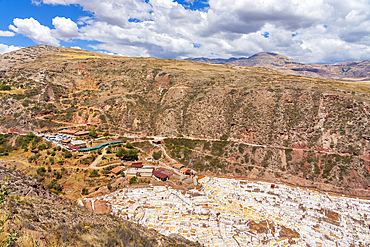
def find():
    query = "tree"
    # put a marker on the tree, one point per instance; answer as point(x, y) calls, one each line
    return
point(93, 134)
point(85, 191)
point(94, 173)
point(67, 154)
point(41, 171)
point(129, 145)
point(157, 155)
point(133, 180)
point(120, 152)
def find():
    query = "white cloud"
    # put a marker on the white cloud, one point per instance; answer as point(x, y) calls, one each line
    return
point(6, 34)
point(34, 30)
point(76, 47)
point(324, 30)
point(6, 48)
point(65, 28)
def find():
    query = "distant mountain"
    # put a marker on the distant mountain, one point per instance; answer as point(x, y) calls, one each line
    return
point(346, 70)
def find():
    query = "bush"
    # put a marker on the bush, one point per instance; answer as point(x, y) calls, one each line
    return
point(93, 134)
point(157, 155)
point(85, 191)
point(4, 87)
point(94, 173)
point(41, 171)
point(67, 154)
point(133, 180)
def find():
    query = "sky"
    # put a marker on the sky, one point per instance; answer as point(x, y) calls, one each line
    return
point(308, 31)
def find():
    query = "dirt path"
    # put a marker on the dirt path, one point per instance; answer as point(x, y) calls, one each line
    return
point(97, 160)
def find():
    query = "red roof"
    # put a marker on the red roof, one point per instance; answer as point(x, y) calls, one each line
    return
point(137, 165)
point(160, 174)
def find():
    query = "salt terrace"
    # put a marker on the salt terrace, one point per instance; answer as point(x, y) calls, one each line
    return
point(229, 212)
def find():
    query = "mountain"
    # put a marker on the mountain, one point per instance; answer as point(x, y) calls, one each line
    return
point(347, 70)
point(225, 120)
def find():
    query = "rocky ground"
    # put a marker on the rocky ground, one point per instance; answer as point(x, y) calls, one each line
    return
point(40, 218)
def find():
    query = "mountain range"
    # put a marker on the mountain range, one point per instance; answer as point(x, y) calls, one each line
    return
point(347, 70)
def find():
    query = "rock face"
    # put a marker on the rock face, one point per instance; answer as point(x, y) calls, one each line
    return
point(22, 185)
point(40, 219)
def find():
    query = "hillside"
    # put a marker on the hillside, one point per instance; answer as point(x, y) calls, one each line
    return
point(43, 219)
point(344, 71)
point(231, 120)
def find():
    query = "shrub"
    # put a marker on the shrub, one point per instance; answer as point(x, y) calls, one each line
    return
point(41, 171)
point(94, 173)
point(85, 191)
point(157, 155)
point(67, 154)
point(133, 180)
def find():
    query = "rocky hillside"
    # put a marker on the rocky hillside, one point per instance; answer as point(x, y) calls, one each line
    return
point(177, 98)
point(347, 70)
point(38, 218)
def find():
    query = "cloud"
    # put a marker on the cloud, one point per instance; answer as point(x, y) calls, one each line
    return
point(6, 34)
point(34, 30)
point(76, 47)
point(5, 48)
point(308, 31)
point(65, 28)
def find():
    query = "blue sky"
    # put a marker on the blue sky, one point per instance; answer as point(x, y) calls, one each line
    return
point(315, 31)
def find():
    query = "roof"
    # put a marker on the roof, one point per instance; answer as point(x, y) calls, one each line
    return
point(117, 140)
point(66, 141)
point(179, 166)
point(164, 171)
point(117, 169)
point(78, 142)
point(137, 165)
point(66, 131)
point(160, 174)
point(184, 169)
point(139, 170)
point(81, 133)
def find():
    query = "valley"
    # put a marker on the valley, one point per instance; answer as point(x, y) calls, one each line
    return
point(219, 154)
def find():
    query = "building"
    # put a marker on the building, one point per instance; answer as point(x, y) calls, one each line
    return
point(82, 133)
point(178, 166)
point(68, 132)
point(185, 171)
point(79, 144)
point(145, 172)
point(157, 142)
point(162, 174)
point(137, 165)
point(117, 170)
point(65, 141)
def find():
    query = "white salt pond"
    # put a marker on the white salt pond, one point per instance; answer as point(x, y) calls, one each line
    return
point(229, 212)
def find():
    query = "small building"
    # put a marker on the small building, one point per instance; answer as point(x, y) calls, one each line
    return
point(89, 124)
point(137, 165)
point(145, 172)
point(178, 166)
point(34, 151)
point(185, 171)
point(79, 144)
point(157, 142)
point(162, 174)
point(117, 170)
point(82, 133)
point(66, 141)
point(68, 132)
